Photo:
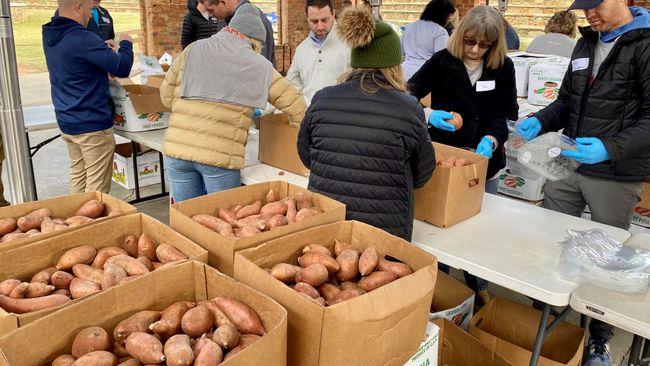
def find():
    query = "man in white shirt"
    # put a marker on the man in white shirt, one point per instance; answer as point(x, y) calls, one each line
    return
point(322, 57)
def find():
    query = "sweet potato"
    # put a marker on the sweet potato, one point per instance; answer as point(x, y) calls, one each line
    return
point(368, 261)
point(328, 291)
point(197, 321)
point(9, 285)
point(147, 263)
point(7, 225)
point(285, 272)
point(307, 213)
point(462, 162)
point(456, 121)
point(38, 289)
point(105, 253)
point(146, 247)
point(22, 306)
point(210, 355)
point(138, 322)
point(170, 322)
point(234, 209)
point(376, 279)
point(19, 291)
point(274, 208)
point(14, 236)
point(178, 351)
point(226, 336)
point(292, 211)
point(75, 221)
point(251, 230)
point(347, 285)
point(240, 315)
point(156, 265)
point(92, 209)
point(399, 269)
point(315, 275)
point(81, 288)
point(276, 221)
point(247, 220)
point(215, 224)
point(342, 296)
point(315, 248)
point(48, 226)
point(145, 348)
point(61, 279)
point(132, 266)
point(271, 196)
point(167, 254)
point(112, 275)
point(65, 292)
point(131, 245)
point(303, 201)
point(97, 358)
point(310, 258)
point(219, 317)
point(348, 261)
point(86, 272)
point(130, 361)
point(306, 289)
point(120, 350)
point(44, 275)
point(199, 343)
point(33, 220)
point(63, 360)
point(83, 254)
point(129, 279)
point(252, 209)
point(227, 216)
point(91, 339)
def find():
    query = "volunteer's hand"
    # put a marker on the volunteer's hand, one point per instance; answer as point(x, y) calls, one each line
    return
point(125, 37)
point(257, 113)
point(112, 45)
point(437, 120)
point(529, 128)
point(590, 151)
point(485, 147)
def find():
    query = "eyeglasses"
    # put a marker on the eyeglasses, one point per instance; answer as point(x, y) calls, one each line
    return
point(472, 43)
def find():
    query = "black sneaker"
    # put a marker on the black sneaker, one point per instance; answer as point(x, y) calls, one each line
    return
point(598, 353)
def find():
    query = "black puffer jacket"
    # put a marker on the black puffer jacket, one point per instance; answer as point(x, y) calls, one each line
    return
point(614, 108)
point(196, 27)
point(484, 112)
point(368, 151)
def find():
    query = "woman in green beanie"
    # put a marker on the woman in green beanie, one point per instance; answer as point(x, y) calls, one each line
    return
point(365, 139)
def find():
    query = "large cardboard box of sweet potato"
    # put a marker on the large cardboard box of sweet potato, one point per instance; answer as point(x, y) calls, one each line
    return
point(221, 249)
point(188, 281)
point(453, 194)
point(23, 262)
point(456, 347)
point(382, 327)
point(510, 329)
point(64, 207)
point(278, 144)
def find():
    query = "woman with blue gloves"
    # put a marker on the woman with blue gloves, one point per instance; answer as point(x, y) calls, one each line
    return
point(474, 78)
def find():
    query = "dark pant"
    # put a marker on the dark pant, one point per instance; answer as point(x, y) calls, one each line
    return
point(473, 282)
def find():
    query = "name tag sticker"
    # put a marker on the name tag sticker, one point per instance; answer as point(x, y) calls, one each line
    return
point(579, 64)
point(487, 85)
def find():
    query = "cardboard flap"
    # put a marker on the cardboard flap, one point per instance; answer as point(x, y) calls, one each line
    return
point(145, 99)
point(456, 347)
point(449, 293)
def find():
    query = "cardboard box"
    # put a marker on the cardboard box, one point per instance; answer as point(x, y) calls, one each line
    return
point(22, 263)
point(523, 62)
point(544, 82)
point(448, 198)
point(138, 108)
point(148, 167)
point(510, 329)
point(452, 301)
point(520, 182)
point(221, 250)
point(155, 81)
point(64, 207)
point(456, 347)
point(189, 281)
point(382, 327)
point(642, 211)
point(427, 353)
point(278, 144)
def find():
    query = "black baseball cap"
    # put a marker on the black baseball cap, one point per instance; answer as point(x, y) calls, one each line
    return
point(584, 4)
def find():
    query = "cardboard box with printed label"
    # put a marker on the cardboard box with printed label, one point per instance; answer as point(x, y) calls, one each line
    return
point(64, 207)
point(523, 62)
point(187, 281)
point(642, 211)
point(222, 249)
point(427, 353)
point(510, 329)
point(520, 182)
point(544, 82)
point(155, 81)
point(123, 170)
point(381, 327)
point(452, 301)
point(454, 194)
point(138, 108)
point(278, 144)
point(24, 262)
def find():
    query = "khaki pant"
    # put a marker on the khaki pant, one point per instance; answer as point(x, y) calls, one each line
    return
point(91, 160)
point(3, 202)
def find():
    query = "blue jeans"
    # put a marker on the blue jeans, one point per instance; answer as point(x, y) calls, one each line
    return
point(189, 179)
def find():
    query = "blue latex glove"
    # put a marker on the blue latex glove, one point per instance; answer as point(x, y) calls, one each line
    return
point(590, 151)
point(257, 113)
point(437, 120)
point(529, 128)
point(485, 147)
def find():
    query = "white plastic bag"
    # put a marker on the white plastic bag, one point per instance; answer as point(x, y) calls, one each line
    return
point(544, 156)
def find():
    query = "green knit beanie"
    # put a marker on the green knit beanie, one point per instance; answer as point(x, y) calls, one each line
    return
point(374, 43)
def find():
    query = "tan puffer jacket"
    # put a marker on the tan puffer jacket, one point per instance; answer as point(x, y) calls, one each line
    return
point(216, 133)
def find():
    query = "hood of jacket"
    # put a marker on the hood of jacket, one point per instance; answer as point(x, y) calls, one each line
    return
point(57, 28)
point(640, 20)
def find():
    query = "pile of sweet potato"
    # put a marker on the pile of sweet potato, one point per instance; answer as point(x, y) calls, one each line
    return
point(452, 162)
point(183, 334)
point(41, 222)
point(329, 280)
point(257, 217)
point(83, 271)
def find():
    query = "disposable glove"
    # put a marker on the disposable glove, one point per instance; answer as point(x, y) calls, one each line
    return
point(529, 128)
point(590, 151)
point(485, 147)
point(257, 113)
point(437, 120)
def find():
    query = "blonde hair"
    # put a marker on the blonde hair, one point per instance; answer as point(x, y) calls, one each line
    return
point(256, 45)
point(394, 78)
point(482, 24)
point(564, 22)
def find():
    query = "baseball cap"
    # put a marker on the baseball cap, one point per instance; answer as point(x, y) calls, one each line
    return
point(584, 4)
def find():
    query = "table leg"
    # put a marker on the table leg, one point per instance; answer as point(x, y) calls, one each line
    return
point(134, 154)
point(635, 352)
point(162, 173)
point(583, 321)
point(537, 350)
point(31, 166)
point(646, 350)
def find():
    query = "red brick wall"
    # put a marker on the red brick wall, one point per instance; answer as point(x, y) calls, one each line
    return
point(161, 22)
point(464, 6)
point(643, 3)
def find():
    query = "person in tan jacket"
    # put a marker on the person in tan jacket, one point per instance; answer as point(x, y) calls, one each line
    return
point(213, 90)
